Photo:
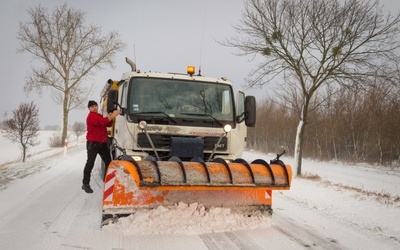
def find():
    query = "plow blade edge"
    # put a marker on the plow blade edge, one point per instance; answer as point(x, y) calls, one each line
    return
point(131, 185)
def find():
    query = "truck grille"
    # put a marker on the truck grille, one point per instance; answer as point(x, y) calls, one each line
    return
point(162, 141)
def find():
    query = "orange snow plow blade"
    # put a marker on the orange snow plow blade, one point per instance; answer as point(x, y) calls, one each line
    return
point(131, 185)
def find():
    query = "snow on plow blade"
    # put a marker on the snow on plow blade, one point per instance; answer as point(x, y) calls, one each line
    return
point(131, 185)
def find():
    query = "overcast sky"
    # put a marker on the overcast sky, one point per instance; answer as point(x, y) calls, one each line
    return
point(161, 35)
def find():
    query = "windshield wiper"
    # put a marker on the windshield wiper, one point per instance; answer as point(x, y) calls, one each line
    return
point(197, 114)
point(155, 112)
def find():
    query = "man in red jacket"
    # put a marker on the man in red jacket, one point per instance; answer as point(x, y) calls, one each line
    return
point(96, 141)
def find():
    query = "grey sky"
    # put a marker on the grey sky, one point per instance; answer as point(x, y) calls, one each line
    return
point(162, 35)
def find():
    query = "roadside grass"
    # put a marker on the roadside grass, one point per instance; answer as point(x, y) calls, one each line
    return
point(382, 197)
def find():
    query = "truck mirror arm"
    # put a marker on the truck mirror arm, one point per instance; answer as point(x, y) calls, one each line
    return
point(240, 118)
point(123, 110)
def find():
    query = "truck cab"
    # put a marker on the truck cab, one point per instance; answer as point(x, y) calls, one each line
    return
point(188, 116)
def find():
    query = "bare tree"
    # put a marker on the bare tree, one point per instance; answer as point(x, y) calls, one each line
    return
point(23, 127)
point(69, 52)
point(315, 43)
point(79, 129)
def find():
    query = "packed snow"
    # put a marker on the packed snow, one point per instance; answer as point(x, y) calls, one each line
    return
point(335, 206)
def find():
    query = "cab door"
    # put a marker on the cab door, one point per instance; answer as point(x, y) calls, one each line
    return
point(239, 138)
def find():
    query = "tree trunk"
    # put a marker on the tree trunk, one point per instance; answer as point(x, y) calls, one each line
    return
point(335, 156)
point(298, 151)
point(319, 147)
point(23, 153)
point(65, 112)
point(298, 146)
point(380, 148)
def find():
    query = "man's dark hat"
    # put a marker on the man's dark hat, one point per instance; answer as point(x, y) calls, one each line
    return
point(91, 103)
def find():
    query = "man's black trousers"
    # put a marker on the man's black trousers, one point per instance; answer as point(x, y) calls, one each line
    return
point(94, 148)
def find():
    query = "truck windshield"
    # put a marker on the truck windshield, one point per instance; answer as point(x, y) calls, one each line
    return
point(180, 99)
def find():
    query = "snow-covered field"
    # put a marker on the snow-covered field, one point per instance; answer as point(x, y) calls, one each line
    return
point(339, 206)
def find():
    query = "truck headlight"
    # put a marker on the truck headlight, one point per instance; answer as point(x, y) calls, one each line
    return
point(227, 128)
point(142, 125)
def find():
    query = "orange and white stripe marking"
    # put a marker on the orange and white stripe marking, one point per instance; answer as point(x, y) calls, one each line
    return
point(109, 186)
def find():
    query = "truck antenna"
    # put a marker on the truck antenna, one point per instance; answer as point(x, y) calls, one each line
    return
point(202, 41)
point(134, 53)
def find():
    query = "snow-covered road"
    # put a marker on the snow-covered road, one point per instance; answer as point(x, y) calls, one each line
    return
point(48, 210)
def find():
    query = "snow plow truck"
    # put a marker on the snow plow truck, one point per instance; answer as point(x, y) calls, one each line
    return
point(179, 138)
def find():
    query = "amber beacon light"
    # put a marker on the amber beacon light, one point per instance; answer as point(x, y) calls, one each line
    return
point(190, 70)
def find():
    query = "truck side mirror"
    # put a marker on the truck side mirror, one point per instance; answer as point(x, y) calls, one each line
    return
point(250, 111)
point(112, 100)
